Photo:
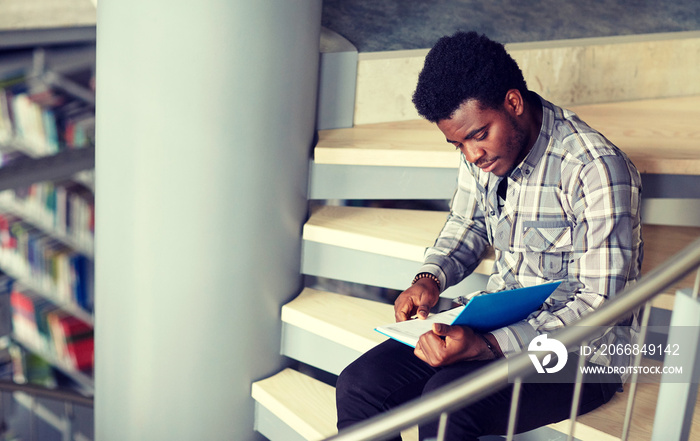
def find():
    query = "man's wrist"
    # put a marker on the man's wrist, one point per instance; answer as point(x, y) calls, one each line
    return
point(492, 344)
point(428, 276)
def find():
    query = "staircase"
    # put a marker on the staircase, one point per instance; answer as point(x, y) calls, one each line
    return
point(406, 160)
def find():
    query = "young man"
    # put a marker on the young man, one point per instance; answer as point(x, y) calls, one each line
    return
point(557, 202)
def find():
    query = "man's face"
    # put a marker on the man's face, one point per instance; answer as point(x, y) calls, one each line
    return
point(491, 139)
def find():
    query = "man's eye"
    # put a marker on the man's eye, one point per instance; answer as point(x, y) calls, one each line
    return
point(482, 136)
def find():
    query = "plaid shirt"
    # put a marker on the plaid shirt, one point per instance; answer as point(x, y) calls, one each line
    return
point(571, 214)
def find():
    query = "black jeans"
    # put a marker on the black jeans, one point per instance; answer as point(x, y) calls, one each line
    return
point(390, 375)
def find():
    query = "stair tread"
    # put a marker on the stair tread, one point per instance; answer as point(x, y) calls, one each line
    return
point(308, 407)
point(346, 320)
point(583, 432)
point(661, 242)
point(404, 234)
point(609, 419)
point(415, 143)
point(659, 135)
point(345, 315)
point(303, 403)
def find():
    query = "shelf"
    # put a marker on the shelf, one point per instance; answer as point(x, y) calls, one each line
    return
point(17, 269)
point(10, 205)
point(63, 165)
point(86, 381)
point(33, 150)
point(30, 126)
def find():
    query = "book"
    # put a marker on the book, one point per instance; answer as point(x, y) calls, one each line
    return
point(24, 323)
point(483, 313)
point(76, 342)
point(72, 340)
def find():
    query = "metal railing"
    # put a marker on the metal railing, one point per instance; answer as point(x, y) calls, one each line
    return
point(440, 403)
point(65, 395)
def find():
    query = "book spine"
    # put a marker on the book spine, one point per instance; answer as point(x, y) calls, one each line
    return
point(79, 343)
point(6, 130)
point(51, 331)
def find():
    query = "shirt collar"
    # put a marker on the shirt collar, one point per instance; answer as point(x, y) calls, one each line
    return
point(526, 167)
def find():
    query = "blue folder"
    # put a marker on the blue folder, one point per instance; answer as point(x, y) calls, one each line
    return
point(490, 311)
point(483, 313)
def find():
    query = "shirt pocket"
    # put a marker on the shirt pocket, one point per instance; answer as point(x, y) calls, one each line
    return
point(550, 244)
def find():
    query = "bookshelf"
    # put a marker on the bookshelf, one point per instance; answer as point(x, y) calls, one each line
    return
point(37, 214)
point(83, 381)
point(46, 209)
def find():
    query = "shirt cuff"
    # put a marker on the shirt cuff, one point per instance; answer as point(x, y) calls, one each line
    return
point(437, 272)
point(512, 339)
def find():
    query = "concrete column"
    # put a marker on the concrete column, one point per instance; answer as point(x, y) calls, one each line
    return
point(205, 117)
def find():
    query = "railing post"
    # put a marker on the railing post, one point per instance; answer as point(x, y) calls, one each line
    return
point(676, 403)
point(576, 398)
point(3, 424)
point(32, 419)
point(442, 428)
point(629, 411)
point(514, 401)
point(68, 422)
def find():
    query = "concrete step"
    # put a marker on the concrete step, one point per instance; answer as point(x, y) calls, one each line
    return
point(609, 418)
point(294, 406)
point(411, 160)
point(352, 243)
point(329, 330)
point(291, 406)
point(336, 329)
point(373, 246)
point(659, 135)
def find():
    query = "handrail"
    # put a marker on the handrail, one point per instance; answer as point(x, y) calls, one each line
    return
point(65, 395)
point(478, 385)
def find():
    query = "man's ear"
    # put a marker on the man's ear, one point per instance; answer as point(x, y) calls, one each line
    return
point(514, 102)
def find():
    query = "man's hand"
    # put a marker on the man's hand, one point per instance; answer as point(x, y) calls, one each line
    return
point(417, 300)
point(448, 344)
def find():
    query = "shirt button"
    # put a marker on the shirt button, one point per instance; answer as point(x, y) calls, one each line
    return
point(527, 171)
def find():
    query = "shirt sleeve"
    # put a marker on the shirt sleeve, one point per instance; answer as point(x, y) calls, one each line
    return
point(458, 249)
point(604, 197)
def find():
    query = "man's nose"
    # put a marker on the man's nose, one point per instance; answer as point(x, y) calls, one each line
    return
point(472, 153)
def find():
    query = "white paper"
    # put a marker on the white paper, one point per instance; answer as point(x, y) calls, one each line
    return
point(409, 331)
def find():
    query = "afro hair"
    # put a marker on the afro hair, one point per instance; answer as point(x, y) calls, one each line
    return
point(462, 67)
